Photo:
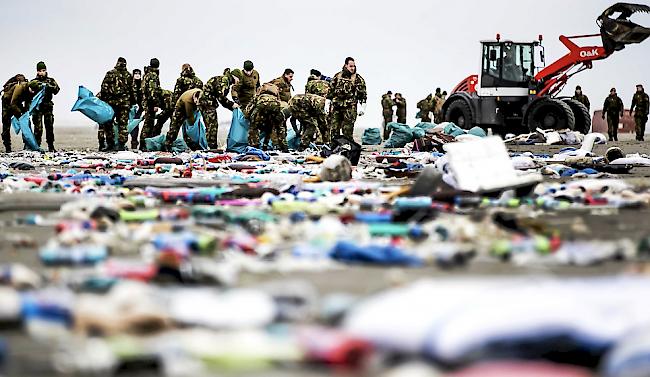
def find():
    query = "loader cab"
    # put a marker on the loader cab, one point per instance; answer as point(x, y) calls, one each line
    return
point(507, 68)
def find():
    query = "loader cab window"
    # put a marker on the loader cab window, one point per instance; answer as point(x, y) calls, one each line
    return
point(507, 64)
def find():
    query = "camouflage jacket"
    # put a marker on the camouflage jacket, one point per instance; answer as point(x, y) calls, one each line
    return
point(640, 103)
point(387, 104)
point(284, 87)
point(167, 103)
point(151, 91)
point(263, 105)
point(215, 91)
point(318, 87)
point(613, 105)
point(245, 90)
point(583, 99)
point(347, 91)
point(187, 81)
point(51, 89)
point(427, 104)
point(117, 87)
point(307, 103)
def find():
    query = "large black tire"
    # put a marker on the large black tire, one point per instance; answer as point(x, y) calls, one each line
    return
point(550, 113)
point(583, 118)
point(460, 114)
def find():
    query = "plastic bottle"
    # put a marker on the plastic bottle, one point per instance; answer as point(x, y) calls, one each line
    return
point(54, 255)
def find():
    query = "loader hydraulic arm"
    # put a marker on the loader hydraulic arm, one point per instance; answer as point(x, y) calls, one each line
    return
point(553, 78)
point(615, 32)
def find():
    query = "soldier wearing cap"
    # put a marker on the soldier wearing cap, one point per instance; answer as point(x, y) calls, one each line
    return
point(44, 115)
point(640, 105)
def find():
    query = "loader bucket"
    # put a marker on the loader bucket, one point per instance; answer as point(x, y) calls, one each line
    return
point(620, 31)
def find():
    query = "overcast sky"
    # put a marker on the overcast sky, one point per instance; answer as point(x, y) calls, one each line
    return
point(405, 46)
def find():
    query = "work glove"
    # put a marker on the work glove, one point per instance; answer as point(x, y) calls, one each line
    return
point(363, 109)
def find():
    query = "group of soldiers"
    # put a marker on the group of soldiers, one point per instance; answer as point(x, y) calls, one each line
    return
point(326, 110)
point(17, 94)
point(432, 104)
point(614, 110)
point(268, 107)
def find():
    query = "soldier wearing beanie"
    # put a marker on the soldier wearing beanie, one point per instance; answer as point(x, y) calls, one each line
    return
point(244, 91)
point(44, 115)
point(152, 98)
point(117, 91)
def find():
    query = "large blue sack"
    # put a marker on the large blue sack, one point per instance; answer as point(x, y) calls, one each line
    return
point(22, 125)
point(400, 135)
point(92, 107)
point(196, 131)
point(238, 134)
point(156, 144)
point(371, 136)
point(425, 125)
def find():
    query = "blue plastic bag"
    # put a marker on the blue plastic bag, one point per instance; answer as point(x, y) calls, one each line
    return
point(425, 125)
point(156, 143)
point(293, 141)
point(250, 151)
point(22, 125)
point(133, 121)
point(238, 134)
point(196, 131)
point(350, 252)
point(371, 136)
point(92, 107)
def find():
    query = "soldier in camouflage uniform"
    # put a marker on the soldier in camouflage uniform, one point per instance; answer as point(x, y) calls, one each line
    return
point(265, 114)
point(426, 107)
point(640, 103)
point(117, 91)
point(138, 95)
point(7, 93)
point(581, 97)
point(44, 115)
point(215, 91)
point(184, 109)
point(244, 91)
point(188, 80)
point(400, 104)
point(348, 89)
point(309, 110)
point(387, 111)
point(152, 97)
point(167, 105)
point(613, 109)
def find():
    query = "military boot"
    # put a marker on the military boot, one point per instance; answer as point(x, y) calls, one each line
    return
point(50, 147)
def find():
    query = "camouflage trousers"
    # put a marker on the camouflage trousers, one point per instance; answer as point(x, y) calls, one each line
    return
point(211, 125)
point(341, 120)
point(387, 119)
point(161, 119)
point(425, 118)
point(6, 128)
point(121, 119)
point(40, 118)
point(274, 128)
point(310, 124)
point(639, 126)
point(147, 125)
point(612, 126)
point(401, 118)
point(178, 118)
